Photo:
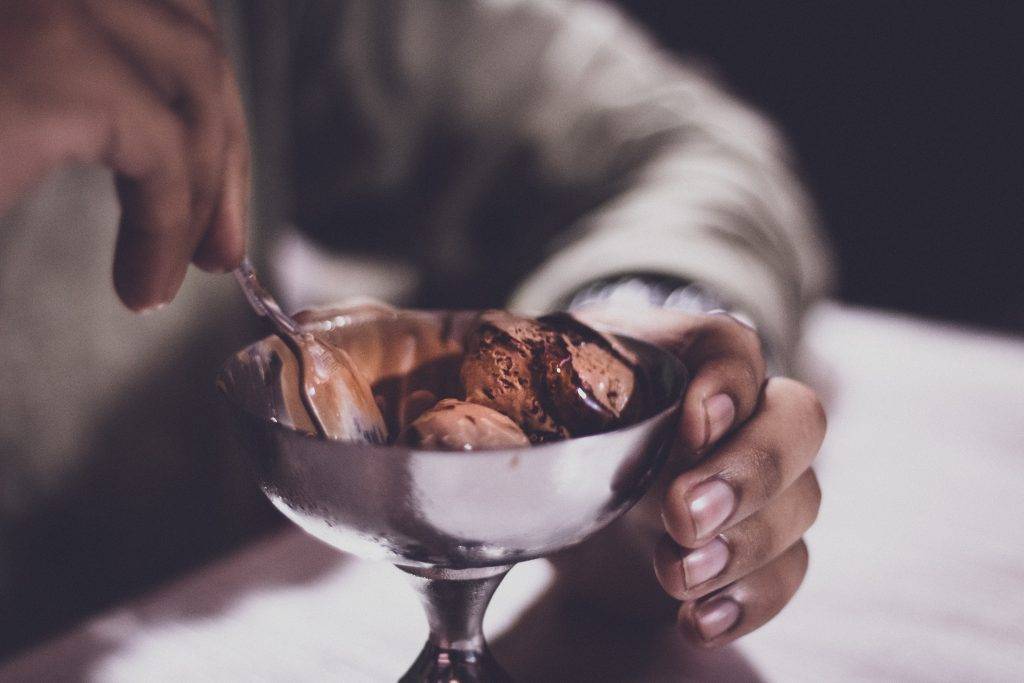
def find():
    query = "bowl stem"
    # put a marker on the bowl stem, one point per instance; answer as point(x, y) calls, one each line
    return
point(455, 601)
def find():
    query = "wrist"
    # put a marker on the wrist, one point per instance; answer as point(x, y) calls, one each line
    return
point(650, 291)
point(653, 291)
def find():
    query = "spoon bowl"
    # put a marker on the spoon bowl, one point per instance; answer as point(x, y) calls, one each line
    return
point(336, 397)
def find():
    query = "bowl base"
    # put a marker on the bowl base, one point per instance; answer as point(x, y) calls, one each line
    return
point(440, 665)
point(455, 601)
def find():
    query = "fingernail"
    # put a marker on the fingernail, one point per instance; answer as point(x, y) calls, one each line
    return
point(705, 563)
point(153, 309)
point(720, 412)
point(717, 616)
point(710, 503)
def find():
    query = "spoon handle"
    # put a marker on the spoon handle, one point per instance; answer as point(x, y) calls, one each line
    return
point(262, 301)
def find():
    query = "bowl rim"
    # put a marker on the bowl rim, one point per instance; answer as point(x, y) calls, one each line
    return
point(682, 376)
point(393, 450)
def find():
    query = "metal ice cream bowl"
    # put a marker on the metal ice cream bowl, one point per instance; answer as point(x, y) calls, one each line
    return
point(441, 514)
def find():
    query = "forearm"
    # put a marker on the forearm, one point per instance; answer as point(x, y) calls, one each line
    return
point(712, 198)
point(741, 230)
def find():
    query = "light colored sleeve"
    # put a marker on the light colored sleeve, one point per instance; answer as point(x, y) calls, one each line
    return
point(534, 146)
point(716, 200)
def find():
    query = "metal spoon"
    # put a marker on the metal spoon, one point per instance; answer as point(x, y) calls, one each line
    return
point(337, 396)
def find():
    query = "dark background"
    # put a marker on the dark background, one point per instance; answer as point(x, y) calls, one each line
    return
point(907, 118)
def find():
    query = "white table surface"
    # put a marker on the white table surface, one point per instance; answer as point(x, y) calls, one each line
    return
point(917, 559)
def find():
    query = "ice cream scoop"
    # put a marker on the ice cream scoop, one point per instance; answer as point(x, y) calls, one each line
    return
point(591, 382)
point(554, 376)
point(500, 371)
point(454, 425)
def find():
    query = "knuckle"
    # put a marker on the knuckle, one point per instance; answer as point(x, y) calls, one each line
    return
point(811, 408)
point(61, 27)
point(204, 193)
point(801, 556)
point(750, 376)
point(44, 28)
point(815, 493)
point(159, 153)
point(797, 397)
point(52, 31)
point(748, 338)
point(781, 389)
point(199, 80)
point(817, 410)
point(735, 327)
point(170, 138)
point(215, 39)
point(207, 56)
point(787, 573)
point(763, 540)
point(751, 543)
point(751, 338)
point(738, 376)
point(716, 330)
point(763, 472)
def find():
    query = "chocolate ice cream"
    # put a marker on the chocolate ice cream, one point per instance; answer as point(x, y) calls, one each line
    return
point(556, 377)
point(499, 370)
point(454, 425)
point(503, 381)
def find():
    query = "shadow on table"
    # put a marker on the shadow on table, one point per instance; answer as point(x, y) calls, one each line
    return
point(553, 641)
point(158, 489)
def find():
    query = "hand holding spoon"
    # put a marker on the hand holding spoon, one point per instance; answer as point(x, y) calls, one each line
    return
point(337, 396)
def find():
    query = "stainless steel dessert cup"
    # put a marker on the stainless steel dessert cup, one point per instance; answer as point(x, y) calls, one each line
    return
point(456, 522)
